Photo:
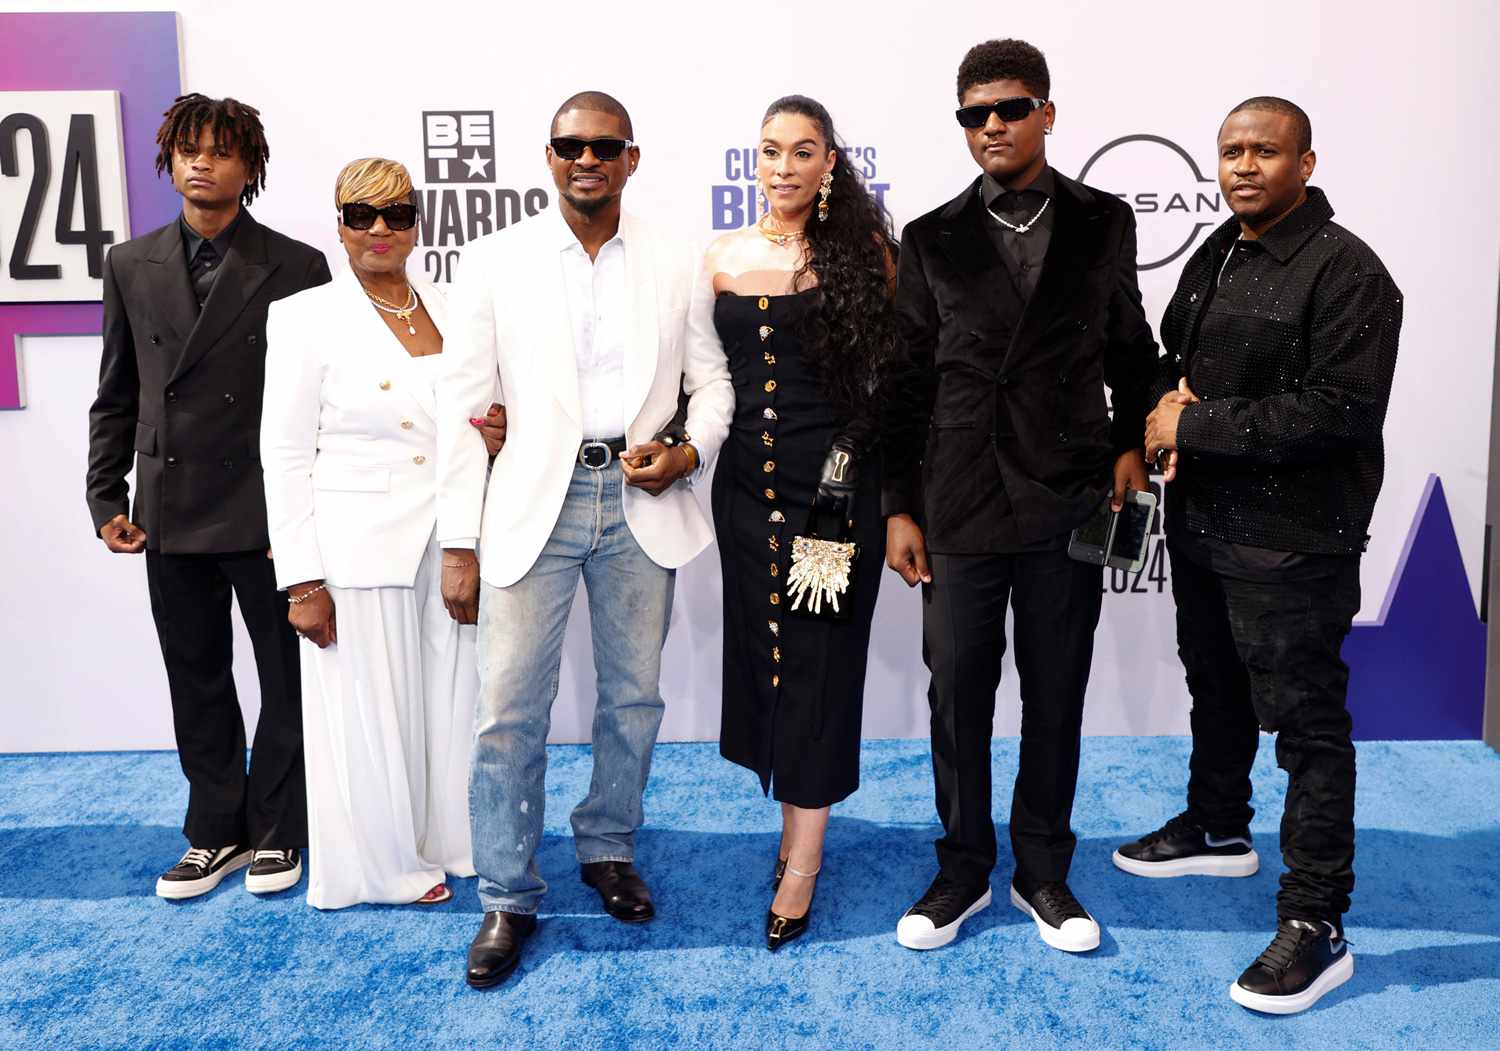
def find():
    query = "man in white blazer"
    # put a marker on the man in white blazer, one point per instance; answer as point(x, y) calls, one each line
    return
point(590, 325)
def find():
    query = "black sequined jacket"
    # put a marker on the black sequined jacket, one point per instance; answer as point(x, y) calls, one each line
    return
point(1292, 355)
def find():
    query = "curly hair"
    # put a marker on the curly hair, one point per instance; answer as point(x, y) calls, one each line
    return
point(852, 334)
point(233, 123)
point(1005, 60)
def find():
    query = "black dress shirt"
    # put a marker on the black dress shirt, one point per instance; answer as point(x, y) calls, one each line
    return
point(1292, 351)
point(204, 256)
point(1022, 253)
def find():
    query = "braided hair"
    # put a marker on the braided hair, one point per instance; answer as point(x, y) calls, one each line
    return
point(234, 124)
point(853, 335)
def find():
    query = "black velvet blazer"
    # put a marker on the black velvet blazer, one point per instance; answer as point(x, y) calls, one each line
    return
point(999, 407)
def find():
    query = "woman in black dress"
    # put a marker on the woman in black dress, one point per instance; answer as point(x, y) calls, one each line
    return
point(803, 309)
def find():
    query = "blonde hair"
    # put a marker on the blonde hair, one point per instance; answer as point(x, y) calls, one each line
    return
point(372, 180)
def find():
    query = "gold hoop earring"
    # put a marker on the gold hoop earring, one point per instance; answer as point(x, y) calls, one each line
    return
point(825, 189)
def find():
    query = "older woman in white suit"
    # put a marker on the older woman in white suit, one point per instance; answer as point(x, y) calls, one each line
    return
point(349, 451)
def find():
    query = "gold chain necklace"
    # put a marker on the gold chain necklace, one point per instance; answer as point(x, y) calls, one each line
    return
point(780, 238)
point(402, 313)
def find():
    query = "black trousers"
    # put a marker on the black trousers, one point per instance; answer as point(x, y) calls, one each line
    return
point(1056, 601)
point(1264, 654)
point(190, 595)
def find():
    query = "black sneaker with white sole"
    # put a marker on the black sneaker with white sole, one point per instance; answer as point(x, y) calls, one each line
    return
point(273, 870)
point(936, 917)
point(1181, 847)
point(200, 871)
point(1061, 921)
point(1304, 961)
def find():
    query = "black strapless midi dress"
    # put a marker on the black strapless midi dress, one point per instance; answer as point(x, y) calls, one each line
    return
point(793, 686)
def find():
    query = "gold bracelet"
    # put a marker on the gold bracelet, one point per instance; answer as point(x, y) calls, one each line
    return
point(692, 452)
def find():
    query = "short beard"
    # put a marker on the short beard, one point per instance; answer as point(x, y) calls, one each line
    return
point(589, 206)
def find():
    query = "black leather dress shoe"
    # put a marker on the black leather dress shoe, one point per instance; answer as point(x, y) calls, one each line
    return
point(621, 889)
point(496, 949)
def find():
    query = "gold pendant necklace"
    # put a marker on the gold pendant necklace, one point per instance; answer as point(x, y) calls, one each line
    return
point(780, 238)
point(402, 313)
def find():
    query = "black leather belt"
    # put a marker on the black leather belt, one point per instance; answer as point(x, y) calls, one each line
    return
point(597, 455)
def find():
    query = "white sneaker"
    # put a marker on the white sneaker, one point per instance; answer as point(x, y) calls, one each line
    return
point(936, 917)
point(200, 871)
point(273, 870)
point(1061, 921)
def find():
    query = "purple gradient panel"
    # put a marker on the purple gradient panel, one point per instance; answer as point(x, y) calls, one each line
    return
point(1417, 671)
point(135, 54)
point(38, 319)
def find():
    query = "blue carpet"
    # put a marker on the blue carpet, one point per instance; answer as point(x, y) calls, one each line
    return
point(90, 958)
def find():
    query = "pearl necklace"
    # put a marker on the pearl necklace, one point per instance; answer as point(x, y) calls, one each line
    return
point(402, 313)
point(1028, 224)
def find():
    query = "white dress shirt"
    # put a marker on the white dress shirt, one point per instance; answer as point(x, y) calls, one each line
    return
point(597, 293)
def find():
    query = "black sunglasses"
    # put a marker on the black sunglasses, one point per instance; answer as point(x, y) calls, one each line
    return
point(570, 149)
point(1010, 111)
point(359, 216)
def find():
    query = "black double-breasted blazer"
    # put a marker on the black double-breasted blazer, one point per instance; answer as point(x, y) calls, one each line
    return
point(999, 405)
point(180, 390)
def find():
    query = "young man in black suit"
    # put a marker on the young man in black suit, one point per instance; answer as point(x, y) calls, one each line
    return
point(180, 385)
point(1018, 303)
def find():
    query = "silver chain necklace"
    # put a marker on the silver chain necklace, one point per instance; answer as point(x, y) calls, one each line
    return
point(1028, 224)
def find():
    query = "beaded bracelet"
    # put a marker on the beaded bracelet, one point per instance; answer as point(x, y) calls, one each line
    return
point(297, 600)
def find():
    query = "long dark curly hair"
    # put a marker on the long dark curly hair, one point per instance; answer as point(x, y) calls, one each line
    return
point(852, 336)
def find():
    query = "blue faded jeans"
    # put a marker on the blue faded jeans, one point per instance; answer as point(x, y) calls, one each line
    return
point(520, 653)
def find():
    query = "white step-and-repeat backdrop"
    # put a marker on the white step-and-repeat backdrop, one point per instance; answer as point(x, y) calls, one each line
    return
point(1404, 126)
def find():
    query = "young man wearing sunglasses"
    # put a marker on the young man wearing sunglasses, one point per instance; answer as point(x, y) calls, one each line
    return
point(180, 385)
point(589, 325)
point(1018, 302)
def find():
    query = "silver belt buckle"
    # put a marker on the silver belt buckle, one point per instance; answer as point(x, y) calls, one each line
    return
point(586, 460)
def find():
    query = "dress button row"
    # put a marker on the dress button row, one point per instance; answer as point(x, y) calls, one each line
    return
point(419, 460)
point(406, 425)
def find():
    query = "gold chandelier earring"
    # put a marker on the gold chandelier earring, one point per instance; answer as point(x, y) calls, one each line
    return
point(825, 188)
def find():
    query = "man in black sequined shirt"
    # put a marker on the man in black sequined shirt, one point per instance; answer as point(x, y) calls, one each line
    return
point(1280, 347)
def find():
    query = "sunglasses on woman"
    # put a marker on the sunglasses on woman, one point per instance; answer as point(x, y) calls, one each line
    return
point(360, 216)
point(1010, 111)
point(570, 149)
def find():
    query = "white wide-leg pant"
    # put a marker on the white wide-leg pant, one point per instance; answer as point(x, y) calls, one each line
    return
point(388, 727)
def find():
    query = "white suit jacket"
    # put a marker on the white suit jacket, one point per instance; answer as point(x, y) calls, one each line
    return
point(510, 323)
point(348, 440)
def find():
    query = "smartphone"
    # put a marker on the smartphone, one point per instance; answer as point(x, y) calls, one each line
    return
point(1117, 539)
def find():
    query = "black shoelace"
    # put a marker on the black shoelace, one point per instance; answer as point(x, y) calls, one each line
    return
point(1290, 942)
point(943, 899)
point(1057, 899)
point(1170, 830)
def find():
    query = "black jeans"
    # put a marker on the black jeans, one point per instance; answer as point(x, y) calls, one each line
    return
point(190, 599)
point(1264, 654)
point(1057, 602)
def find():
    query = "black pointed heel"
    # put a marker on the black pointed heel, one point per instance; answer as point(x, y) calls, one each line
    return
point(783, 929)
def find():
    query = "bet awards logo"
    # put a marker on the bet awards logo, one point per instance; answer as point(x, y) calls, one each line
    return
point(736, 203)
point(458, 146)
point(1173, 200)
